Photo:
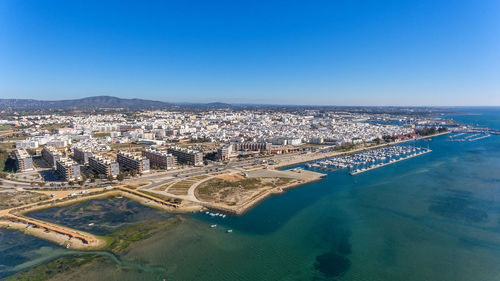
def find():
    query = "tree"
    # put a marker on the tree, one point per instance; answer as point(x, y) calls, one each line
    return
point(84, 178)
point(120, 177)
point(110, 178)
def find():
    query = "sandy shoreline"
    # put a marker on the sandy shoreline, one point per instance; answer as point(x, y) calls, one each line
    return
point(301, 177)
point(60, 239)
point(246, 206)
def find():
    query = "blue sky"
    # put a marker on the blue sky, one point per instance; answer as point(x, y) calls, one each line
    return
point(351, 52)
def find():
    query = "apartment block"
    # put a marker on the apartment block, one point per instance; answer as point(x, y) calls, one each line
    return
point(82, 155)
point(186, 156)
point(104, 165)
point(159, 158)
point(51, 155)
point(24, 162)
point(253, 146)
point(68, 169)
point(224, 152)
point(129, 161)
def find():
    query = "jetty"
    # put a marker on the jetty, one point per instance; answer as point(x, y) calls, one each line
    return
point(70, 233)
point(469, 136)
point(380, 165)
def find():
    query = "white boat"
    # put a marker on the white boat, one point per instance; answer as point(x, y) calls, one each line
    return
point(229, 231)
point(213, 226)
point(91, 224)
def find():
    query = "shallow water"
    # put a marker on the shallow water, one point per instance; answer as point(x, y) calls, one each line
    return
point(99, 216)
point(19, 251)
point(433, 217)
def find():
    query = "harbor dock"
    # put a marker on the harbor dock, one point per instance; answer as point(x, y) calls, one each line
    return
point(368, 160)
point(380, 165)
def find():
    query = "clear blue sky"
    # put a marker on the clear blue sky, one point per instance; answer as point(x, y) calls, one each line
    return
point(422, 52)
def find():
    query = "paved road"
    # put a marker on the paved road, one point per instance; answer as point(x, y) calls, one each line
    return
point(160, 178)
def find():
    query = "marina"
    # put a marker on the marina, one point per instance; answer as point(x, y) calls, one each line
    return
point(392, 161)
point(469, 136)
point(369, 160)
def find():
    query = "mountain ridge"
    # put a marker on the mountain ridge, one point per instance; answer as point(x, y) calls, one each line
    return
point(94, 102)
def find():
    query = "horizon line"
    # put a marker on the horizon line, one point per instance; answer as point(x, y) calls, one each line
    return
point(247, 104)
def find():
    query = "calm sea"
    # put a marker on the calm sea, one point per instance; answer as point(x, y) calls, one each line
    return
point(433, 217)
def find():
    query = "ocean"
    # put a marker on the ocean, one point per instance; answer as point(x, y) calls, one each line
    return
point(432, 217)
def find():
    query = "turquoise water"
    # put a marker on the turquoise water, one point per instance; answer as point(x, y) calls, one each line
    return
point(433, 217)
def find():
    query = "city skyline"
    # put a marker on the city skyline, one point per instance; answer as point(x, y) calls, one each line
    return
point(327, 53)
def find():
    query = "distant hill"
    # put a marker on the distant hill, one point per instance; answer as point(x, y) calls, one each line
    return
point(84, 104)
point(108, 102)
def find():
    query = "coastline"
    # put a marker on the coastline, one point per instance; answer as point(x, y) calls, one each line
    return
point(316, 156)
point(100, 242)
point(57, 238)
point(63, 235)
point(243, 208)
point(263, 195)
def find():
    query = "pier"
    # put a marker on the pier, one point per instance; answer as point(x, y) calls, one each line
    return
point(70, 233)
point(368, 160)
point(380, 165)
point(470, 136)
